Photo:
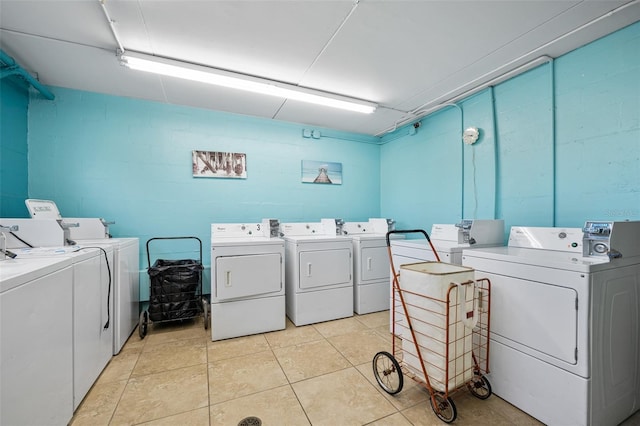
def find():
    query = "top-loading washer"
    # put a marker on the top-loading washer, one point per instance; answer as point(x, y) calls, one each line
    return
point(370, 263)
point(36, 354)
point(92, 309)
point(125, 262)
point(318, 270)
point(247, 279)
point(565, 312)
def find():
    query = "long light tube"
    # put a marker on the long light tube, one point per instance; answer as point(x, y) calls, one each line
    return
point(172, 68)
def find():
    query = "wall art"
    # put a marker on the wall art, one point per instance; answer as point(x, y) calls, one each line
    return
point(219, 164)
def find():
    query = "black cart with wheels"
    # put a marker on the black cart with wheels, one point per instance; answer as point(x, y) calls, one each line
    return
point(175, 289)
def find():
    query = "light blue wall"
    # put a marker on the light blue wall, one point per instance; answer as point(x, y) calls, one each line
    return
point(559, 145)
point(129, 161)
point(598, 130)
point(14, 102)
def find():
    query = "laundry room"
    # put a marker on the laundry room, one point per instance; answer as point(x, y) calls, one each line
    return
point(482, 127)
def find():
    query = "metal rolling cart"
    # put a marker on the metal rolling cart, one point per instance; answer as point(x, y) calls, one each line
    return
point(175, 289)
point(440, 332)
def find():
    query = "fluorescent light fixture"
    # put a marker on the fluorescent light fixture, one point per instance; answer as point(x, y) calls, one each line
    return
point(172, 68)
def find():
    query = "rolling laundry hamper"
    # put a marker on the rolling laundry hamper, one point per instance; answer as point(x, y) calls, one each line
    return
point(440, 333)
point(175, 289)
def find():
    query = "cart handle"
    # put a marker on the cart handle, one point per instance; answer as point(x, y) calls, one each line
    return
point(414, 231)
point(172, 238)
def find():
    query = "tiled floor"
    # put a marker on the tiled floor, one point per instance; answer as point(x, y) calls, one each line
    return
point(319, 374)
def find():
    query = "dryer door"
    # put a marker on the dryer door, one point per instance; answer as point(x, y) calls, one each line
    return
point(246, 276)
point(374, 263)
point(536, 317)
point(323, 268)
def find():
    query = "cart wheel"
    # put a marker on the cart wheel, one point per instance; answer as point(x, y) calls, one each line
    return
point(142, 325)
point(205, 313)
point(446, 409)
point(388, 373)
point(480, 387)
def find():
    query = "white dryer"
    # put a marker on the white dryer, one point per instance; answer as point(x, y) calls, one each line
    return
point(449, 240)
point(565, 321)
point(319, 280)
point(370, 263)
point(247, 279)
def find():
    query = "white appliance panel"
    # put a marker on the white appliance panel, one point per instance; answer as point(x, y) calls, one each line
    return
point(324, 268)
point(93, 344)
point(249, 275)
point(125, 273)
point(36, 354)
point(552, 395)
point(229, 319)
point(374, 263)
point(515, 315)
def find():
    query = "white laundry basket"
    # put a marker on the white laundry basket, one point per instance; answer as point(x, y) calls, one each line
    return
point(425, 286)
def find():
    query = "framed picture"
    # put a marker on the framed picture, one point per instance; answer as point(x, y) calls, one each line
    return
point(324, 172)
point(219, 164)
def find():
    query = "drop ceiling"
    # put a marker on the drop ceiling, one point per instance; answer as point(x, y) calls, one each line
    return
point(406, 56)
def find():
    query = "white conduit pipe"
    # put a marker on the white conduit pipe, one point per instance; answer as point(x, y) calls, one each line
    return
point(112, 26)
point(419, 112)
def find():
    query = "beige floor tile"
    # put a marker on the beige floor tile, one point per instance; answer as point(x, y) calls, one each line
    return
point(412, 392)
point(375, 319)
point(239, 346)
point(344, 397)
point(292, 335)
point(384, 332)
point(310, 359)
point(170, 355)
point(472, 410)
point(508, 411)
point(98, 406)
point(134, 342)
point(199, 417)
point(235, 377)
point(173, 331)
point(360, 346)
point(396, 419)
point(120, 366)
point(339, 327)
point(278, 406)
point(163, 394)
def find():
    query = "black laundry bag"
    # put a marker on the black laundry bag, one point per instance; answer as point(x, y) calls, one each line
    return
point(175, 285)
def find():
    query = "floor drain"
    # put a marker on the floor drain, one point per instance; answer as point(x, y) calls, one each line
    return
point(250, 421)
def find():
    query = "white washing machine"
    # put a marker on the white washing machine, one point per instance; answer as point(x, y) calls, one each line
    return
point(370, 263)
point(92, 309)
point(125, 274)
point(36, 352)
point(449, 240)
point(247, 279)
point(565, 321)
point(318, 266)
point(125, 262)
